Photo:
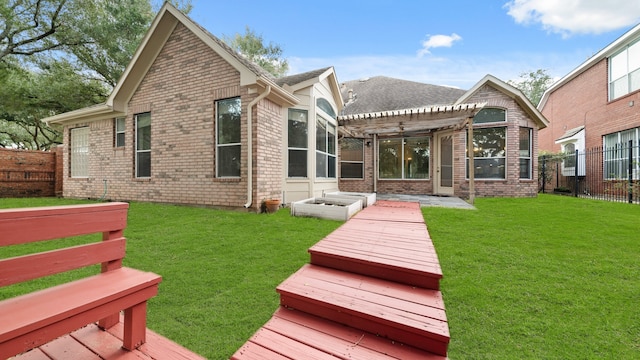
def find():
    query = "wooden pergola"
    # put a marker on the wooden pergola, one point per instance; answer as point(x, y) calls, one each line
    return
point(414, 121)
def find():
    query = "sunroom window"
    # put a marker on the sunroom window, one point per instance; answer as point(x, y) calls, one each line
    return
point(297, 143)
point(404, 158)
point(325, 148)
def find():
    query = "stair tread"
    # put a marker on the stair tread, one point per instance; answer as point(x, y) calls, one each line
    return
point(314, 337)
point(416, 310)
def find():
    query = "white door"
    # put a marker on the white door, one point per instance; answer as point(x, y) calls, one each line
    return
point(443, 179)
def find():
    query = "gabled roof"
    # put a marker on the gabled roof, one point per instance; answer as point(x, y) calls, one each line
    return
point(383, 93)
point(297, 79)
point(296, 82)
point(161, 28)
point(510, 91)
point(609, 50)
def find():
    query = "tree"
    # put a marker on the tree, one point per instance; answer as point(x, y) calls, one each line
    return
point(112, 31)
point(62, 55)
point(533, 84)
point(251, 45)
point(29, 95)
point(27, 27)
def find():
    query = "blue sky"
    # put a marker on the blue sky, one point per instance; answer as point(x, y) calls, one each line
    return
point(443, 42)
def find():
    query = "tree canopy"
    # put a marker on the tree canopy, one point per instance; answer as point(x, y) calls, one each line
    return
point(533, 84)
point(252, 46)
point(62, 55)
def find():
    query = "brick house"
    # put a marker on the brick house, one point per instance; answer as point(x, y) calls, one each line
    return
point(595, 106)
point(193, 122)
point(176, 127)
point(407, 146)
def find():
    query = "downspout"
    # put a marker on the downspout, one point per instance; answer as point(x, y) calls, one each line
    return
point(250, 145)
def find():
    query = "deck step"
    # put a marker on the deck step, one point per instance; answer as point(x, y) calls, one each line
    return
point(399, 251)
point(397, 312)
point(291, 334)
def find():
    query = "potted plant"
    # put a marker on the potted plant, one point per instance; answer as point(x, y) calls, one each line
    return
point(270, 205)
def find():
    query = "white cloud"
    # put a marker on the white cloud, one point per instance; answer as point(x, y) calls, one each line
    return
point(569, 17)
point(435, 41)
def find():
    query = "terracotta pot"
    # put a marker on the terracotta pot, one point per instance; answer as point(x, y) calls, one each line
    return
point(271, 205)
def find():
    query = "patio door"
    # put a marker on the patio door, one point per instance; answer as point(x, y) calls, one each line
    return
point(443, 179)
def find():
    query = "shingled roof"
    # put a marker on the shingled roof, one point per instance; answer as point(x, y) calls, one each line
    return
point(383, 93)
point(298, 78)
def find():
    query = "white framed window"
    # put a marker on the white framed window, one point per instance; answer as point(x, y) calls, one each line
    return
point(526, 151)
point(489, 153)
point(118, 138)
point(297, 133)
point(404, 158)
point(143, 145)
point(616, 154)
point(325, 148)
point(79, 152)
point(228, 150)
point(624, 71)
point(351, 158)
point(569, 162)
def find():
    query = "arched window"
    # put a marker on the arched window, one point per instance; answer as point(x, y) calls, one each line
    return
point(325, 106)
point(490, 115)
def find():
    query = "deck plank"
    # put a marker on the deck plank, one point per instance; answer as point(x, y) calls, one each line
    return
point(66, 347)
point(327, 289)
point(343, 341)
point(108, 345)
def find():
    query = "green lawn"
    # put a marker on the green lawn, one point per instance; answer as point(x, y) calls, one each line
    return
point(545, 278)
point(219, 268)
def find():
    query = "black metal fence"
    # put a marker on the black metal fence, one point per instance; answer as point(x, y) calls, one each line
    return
point(611, 173)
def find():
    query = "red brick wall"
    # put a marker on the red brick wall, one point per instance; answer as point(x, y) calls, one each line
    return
point(180, 91)
point(584, 102)
point(25, 173)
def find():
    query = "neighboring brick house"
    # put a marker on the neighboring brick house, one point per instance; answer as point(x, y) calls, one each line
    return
point(415, 142)
point(597, 105)
point(193, 122)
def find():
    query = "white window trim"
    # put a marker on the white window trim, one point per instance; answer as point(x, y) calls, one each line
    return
point(361, 162)
point(79, 152)
point(305, 149)
point(218, 145)
point(506, 152)
point(326, 153)
point(137, 151)
point(403, 142)
point(121, 131)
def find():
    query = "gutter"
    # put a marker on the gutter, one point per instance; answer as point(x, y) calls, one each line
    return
point(250, 145)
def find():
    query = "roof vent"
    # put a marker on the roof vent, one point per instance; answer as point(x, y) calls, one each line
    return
point(350, 94)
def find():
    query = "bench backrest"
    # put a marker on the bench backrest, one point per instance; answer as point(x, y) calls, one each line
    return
point(25, 225)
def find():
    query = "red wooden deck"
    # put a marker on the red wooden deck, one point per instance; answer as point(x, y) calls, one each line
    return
point(370, 292)
point(91, 343)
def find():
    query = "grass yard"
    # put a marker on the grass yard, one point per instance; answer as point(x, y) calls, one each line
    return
point(219, 268)
point(545, 278)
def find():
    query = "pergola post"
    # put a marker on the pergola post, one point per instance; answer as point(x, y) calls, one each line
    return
point(472, 189)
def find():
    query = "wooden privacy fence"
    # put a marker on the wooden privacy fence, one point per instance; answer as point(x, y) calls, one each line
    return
point(605, 173)
point(27, 173)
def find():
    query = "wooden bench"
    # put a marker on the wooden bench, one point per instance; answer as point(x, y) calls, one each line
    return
point(31, 320)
